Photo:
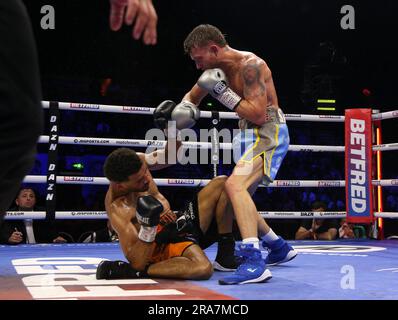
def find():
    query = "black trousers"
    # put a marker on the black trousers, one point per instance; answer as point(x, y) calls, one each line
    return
point(21, 115)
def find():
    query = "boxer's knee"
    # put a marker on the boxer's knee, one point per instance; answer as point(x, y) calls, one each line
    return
point(217, 183)
point(212, 191)
point(202, 270)
point(138, 264)
point(233, 185)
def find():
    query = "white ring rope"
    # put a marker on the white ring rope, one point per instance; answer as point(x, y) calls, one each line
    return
point(161, 144)
point(205, 114)
point(114, 142)
point(385, 147)
point(385, 115)
point(91, 215)
point(202, 182)
point(318, 215)
point(199, 145)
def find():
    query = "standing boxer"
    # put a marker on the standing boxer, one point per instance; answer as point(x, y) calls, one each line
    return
point(243, 83)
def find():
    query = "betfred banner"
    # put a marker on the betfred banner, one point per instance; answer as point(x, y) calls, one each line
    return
point(358, 165)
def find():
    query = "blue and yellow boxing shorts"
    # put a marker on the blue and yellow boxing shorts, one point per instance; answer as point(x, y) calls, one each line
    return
point(269, 141)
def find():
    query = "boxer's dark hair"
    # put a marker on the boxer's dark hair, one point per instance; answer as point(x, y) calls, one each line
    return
point(121, 164)
point(319, 205)
point(202, 35)
point(25, 188)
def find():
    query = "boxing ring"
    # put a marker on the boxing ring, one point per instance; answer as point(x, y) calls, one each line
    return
point(345, 269)
point(328, 270)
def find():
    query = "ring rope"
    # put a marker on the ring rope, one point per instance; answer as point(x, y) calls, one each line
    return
point(114, 142)
point(162, 182)
point(203, 114)
point(202, 145)
point(161, 144)
point(206, 114)
point(91, 215)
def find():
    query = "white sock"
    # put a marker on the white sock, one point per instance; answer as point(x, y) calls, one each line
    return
point(270, 236)
point(254, 241)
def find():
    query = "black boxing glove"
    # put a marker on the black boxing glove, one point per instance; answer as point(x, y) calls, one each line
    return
point(148, 216)
point(117, 270)
point(181, 230)
point(162, 114)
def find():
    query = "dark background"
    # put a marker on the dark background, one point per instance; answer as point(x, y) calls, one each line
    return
point(310, 56)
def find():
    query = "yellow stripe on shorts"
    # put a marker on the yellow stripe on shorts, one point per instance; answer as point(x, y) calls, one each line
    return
point(273, 150)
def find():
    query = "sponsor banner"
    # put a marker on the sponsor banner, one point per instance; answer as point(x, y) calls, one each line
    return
point(81, 215)
point(52, 165)
point(180, 181)
point(306, 150)
point(91, 141)
point(80, 179)
point(20, 215)
point(331, 214)
point(358, 165)
point(329, 117)
point(88, 213)
point(287, 115)
point(15, 214)
point(288, 183)
point(329, 184)
point(84, 106)
point(129, 142)
point(156, 143)
point(136, 109)
point(279, 214)
point(307, 214)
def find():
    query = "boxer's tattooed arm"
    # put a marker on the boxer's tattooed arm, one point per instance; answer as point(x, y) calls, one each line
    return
point(254, 85)
point(255, 97)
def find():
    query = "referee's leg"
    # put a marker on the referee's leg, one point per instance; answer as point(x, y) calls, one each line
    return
point(21, 118)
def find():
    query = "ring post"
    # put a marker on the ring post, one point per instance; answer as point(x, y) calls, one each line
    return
point(358, 165)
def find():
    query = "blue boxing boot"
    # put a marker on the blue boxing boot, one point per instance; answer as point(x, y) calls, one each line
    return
point(252, 270)
point(279, 251)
